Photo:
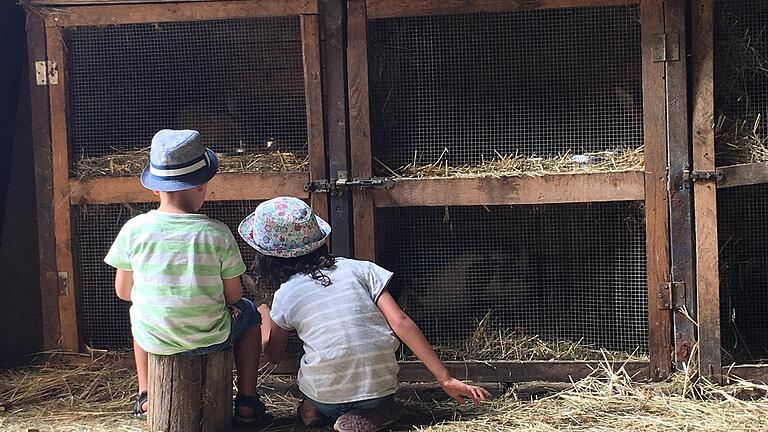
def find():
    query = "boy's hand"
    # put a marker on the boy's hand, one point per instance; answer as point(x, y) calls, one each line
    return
point(459, 391)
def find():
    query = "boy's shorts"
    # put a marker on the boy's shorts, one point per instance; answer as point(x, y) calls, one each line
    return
point(247, 318)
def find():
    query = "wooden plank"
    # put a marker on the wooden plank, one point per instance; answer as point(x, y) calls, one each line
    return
point(566, 188)
point(757, 373)
point(335, 112)
point(743, 175)
point(223, 187)
point(502, 371)
point(360, 128)
point(705, 193)
point(41, 140)
point(105, 2)
point(656, 210)
point(680, 195)
point(401, 8)
point(61, 206)
point(102, 15)
point(313, 93)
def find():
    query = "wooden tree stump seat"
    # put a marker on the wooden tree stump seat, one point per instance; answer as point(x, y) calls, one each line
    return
point(190, 393)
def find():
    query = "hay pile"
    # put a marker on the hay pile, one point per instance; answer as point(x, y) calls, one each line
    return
point(98, 396)
point(500, 344)
point(739, 141)
point(131, 163)
point(608, 401)
point(516, 165)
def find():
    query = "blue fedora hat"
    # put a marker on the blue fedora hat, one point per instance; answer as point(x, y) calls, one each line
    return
point(178, 161)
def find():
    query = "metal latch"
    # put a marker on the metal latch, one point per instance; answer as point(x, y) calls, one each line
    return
point(671, 295)
point(665, 47)
point(46, 73)
point(335, 187)
point(690, 177)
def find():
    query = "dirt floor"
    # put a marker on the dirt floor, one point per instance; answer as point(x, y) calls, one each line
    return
point(97, 397)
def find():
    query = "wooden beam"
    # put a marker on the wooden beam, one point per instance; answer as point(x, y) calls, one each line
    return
point(360, 128)
point(656, 210)
point(102, 15)
point(743, 175)
point(61, 206)
point(104, 2)
point(335, 105)
point(402, 8)
point(313, 94)
point(757, 373)
point(41, 141)
point(566, 188)
point(223, 187)
point(705, 193)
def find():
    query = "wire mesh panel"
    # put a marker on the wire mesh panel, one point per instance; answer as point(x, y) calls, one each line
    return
point(539, 83)
point(240, 82)
point(103, 317)
point(561, 272)
point(741, 80)
point(743, 235)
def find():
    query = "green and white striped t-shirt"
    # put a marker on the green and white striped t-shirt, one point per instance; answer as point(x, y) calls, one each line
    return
point(178, 263)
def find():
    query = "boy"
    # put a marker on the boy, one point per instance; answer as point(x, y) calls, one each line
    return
point(182, 272)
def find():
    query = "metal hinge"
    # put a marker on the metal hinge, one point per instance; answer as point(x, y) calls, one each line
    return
point(63, 281)
point(46, 73)
point(336, 186)
point(690, 177)
point(671, 295)
point(665, 47)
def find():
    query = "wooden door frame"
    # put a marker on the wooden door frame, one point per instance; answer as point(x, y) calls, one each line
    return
point(52, 145)
point(650, 186)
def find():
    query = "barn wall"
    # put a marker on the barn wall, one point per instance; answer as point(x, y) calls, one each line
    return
point(20, 320)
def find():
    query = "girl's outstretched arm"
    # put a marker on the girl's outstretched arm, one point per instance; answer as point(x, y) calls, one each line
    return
point(274, 339)
point(411, 335)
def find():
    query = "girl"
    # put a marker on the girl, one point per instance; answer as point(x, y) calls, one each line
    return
point(344, 315)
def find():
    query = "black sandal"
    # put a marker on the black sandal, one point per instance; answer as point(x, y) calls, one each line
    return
point(256, 405)
point(138, 411)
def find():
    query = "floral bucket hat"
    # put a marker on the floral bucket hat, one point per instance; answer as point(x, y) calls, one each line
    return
point(284, 227)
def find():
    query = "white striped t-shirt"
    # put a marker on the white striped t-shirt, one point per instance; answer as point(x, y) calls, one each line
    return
point(178, 262)
point(349, 349)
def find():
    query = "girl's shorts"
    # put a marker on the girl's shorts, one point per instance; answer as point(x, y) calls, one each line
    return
point(249, 316)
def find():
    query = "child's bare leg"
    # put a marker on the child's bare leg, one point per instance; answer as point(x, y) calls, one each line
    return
point(142, 366)
point(247, 353)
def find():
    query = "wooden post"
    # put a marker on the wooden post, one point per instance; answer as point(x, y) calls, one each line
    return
point(705, 193)
point(190, 393)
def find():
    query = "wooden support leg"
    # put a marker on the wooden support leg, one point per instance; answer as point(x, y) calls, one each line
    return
point(190, 393)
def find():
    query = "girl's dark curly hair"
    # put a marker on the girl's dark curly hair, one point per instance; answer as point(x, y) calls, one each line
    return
point(278, 270)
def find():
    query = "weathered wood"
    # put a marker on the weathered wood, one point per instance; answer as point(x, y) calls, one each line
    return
point(705, 193)
point(190, 393)
point(223, 187)
point(360, 128)
point(569, 188)
point(313, 93)
point(656, 210)
point(680, 196)
point(41, 141)
point(105, 2)
point(401, 8)
point(502, 371)
point(743, 175)
point(754, 373)
point(61, 208)
point(101, 15)
point(335, 113)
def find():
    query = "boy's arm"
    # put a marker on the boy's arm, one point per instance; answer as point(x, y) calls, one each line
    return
point(123, 284)
point(411, 335)
point(233, 290)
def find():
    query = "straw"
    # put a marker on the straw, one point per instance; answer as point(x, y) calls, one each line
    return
point(132, 162)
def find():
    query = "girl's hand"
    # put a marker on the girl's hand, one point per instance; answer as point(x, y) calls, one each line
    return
point(459, 390)
point(233, 310)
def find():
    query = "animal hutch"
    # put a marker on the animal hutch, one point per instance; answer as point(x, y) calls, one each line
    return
point(730, 84)
point(513, 162)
